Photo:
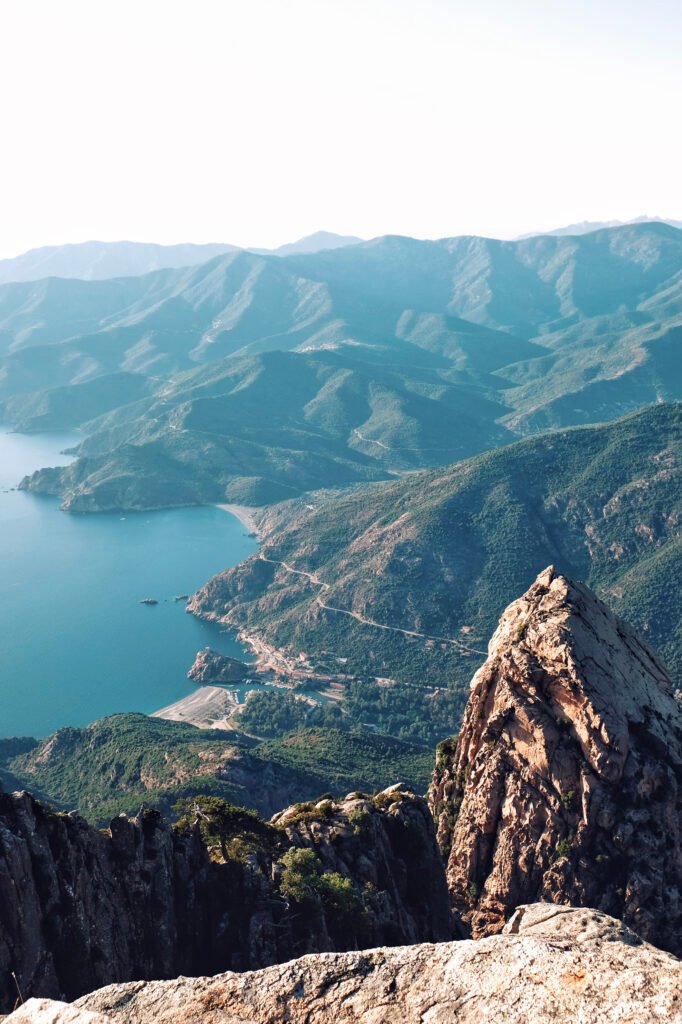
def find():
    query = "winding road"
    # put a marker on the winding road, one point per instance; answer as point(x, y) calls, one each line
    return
point(370, 622)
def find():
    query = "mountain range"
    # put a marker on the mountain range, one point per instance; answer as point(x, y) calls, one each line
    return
point(96, 261)
point(373, 359)
point(338, 378)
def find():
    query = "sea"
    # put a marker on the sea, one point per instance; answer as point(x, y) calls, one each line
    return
point(75, 642)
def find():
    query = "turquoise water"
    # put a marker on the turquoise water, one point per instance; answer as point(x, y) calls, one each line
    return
point(75, 643)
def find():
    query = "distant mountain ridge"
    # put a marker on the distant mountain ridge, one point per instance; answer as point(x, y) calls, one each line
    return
point(97, 261)
point(585, 227)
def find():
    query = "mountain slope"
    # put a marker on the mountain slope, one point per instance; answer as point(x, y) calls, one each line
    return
point(368, 295)
point(330, 421)
point(442, 553)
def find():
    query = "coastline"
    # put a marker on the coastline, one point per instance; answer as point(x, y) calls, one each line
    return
point(245, 514)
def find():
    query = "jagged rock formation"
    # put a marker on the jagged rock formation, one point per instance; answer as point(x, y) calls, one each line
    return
point(564, 783)
point(554, 964)
point(211, 667)
point(80, 908)
point(386, 844)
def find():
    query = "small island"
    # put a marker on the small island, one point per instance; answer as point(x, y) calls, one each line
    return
point(149, 600)
point(210, 668)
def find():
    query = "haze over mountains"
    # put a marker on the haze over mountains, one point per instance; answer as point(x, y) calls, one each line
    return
point(370, 359)
point(584, 227)
point(95, 261)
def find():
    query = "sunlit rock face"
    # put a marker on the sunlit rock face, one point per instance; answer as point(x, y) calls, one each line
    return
point(564, 783)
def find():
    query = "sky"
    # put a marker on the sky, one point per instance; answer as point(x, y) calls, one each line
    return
point(258, 121)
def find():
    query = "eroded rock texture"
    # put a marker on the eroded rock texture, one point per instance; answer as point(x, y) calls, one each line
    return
point(554, 965)
point(81, 908)
point(564, 783)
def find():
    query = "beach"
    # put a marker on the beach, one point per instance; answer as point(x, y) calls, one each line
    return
point(208, 707)
point(245, 514)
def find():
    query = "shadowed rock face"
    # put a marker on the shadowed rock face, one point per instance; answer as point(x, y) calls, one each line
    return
point(81, 908)
point(564, 783)
point(554, 964)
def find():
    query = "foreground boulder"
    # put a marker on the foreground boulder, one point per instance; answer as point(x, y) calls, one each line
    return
point(564, 783)
point(81, 908)
point(552, 964)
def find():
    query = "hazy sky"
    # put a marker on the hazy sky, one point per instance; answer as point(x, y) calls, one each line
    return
point(258, 121)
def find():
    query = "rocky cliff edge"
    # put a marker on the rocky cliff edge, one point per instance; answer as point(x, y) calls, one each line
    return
point(553, 964)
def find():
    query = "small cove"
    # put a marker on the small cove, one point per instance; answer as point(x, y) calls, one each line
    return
point(75, 642)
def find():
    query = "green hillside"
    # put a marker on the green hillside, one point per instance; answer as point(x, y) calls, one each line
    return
point(269, 427)
point(442, 553)
point(121, 762)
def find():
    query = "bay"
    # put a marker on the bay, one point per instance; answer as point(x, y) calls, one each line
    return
point(75, 642)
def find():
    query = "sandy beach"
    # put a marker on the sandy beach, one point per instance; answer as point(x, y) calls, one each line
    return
point(209, 707)
point(245, 514)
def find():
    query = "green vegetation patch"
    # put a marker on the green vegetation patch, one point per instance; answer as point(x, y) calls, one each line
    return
point(345, 761)
point(124, 762)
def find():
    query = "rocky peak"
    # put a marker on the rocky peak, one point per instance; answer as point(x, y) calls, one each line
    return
point(564, 782)
point(386, 845)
